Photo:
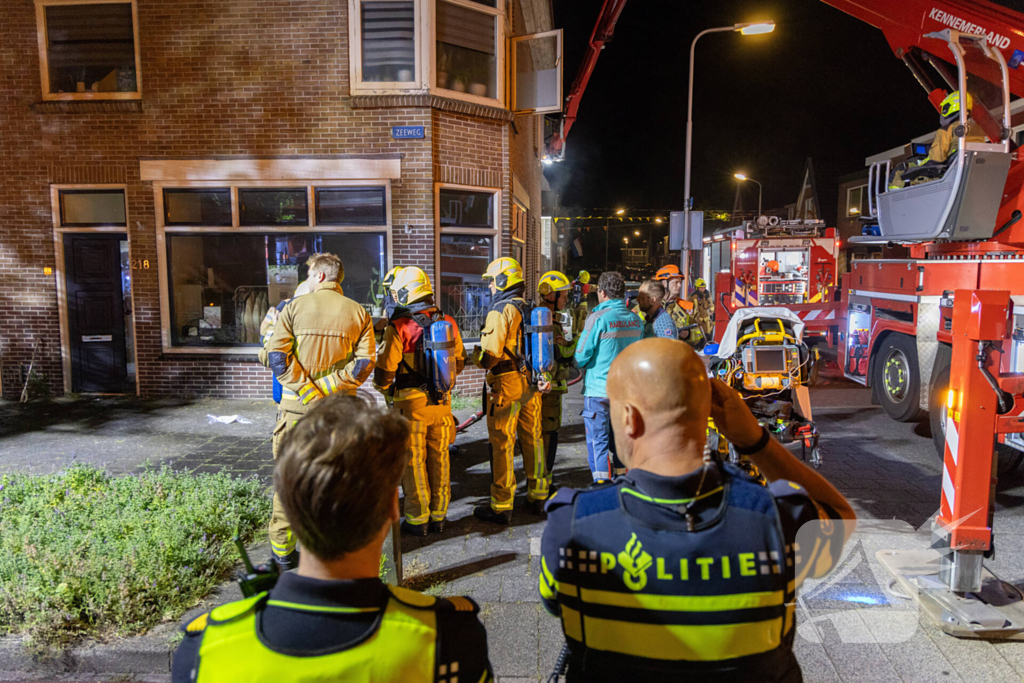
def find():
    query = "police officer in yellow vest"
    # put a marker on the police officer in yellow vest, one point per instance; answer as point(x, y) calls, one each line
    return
point(513, 403)
point(553, 291)
point(334, 619)
point(322, 344)
point(684, 569)
point(402, 375)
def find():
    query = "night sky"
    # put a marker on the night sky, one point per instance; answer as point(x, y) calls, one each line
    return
point(822, 85)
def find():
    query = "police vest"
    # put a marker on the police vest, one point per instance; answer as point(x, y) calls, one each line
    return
point(401, 648)
point(639, 601)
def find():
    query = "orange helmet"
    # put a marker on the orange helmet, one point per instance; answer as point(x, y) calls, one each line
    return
point(668, 272)
point(772, 267)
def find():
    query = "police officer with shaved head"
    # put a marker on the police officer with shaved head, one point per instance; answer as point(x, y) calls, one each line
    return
point(686, 567)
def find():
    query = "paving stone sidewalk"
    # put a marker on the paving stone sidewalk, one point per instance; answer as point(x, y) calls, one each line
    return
point(850, 627)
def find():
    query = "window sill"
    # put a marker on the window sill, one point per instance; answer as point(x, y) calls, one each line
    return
point(87, 106)
point(433, 101)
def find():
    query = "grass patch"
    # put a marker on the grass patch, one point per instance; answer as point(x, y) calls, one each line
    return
point(468, 400)
point(86, 554)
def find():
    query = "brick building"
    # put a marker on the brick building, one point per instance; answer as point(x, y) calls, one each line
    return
point(170, 164)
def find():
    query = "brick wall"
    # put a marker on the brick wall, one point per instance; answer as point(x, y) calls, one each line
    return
point(220, 77)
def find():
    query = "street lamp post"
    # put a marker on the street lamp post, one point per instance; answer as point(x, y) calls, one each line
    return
point(744, 29)
point(740, 176)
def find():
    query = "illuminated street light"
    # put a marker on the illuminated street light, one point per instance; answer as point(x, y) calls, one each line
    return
point(636, 232)
point(657, 220)
point(755, 29)
point(740, 176)
point(620, 212)
point(626, 240)
point(747, 29)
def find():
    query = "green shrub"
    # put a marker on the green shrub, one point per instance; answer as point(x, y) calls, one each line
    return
point(86, 554)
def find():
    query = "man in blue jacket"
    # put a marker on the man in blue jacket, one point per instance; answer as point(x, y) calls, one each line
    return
point(610, 328)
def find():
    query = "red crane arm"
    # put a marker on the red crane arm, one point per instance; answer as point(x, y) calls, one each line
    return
point(906, 22)
point(602, 33)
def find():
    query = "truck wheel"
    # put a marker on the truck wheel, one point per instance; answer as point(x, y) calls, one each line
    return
point(897, 378)
point(1009, 458)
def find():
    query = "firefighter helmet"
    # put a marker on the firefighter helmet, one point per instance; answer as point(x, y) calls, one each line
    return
point(505, 271)
point(553, 281)
point(411, 285)
point(951, 105)
point(700, 283)
point(583, 277)
point(668, 272)
point(389, 277)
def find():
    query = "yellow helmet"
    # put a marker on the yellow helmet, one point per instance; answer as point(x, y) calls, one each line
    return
point(389, 277)
point(553, 281)
point(583, 277)
point(951, 105)
point(411, 285)
point(700, 283)
point(505, 271)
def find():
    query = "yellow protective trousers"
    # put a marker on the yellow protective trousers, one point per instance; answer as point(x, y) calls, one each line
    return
point(514, 409)
point(427, 480)
point(551, 422)
point(282, 541)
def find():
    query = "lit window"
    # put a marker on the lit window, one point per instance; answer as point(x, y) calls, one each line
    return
point(79, 208)
point(464, 294)
point(89, 51)
point(350, 206)
point(855, 197)
point(467, 57)
point(222, 285)
point(264, 206)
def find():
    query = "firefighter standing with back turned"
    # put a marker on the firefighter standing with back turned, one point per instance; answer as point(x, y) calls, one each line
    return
point(513, 404)
point(322, 344)
point(402, 374)
point(553, 291)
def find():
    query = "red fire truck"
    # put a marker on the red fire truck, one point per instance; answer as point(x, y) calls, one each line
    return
point(792, 264)
point(943, 331)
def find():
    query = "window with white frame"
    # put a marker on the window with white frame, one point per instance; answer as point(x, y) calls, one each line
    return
point(231, 252)
point(467, 242)
point(385, 39)
point(88, 49)
point(469, 48)
point(855, 197)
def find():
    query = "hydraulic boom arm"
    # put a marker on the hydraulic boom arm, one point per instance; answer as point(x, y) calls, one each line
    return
point(602, 33)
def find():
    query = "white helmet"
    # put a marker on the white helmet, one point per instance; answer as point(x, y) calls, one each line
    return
point(303, 288)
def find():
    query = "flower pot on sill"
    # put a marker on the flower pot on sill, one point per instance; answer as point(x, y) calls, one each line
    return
point(458, 86)
point(478, 89)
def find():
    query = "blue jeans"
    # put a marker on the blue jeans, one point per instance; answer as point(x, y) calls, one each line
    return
point(600, 442)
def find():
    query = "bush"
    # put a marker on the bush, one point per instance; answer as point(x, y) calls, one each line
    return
point(86, 554)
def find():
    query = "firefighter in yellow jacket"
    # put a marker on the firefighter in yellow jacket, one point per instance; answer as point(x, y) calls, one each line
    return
point(322, 344)
point(553, 290)
point(513, 403)
point(403, 374)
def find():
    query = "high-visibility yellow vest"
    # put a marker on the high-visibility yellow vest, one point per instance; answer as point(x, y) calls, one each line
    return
point(401, 648)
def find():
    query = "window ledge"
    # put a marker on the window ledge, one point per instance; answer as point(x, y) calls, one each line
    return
point(433, 101)
point(87, 106)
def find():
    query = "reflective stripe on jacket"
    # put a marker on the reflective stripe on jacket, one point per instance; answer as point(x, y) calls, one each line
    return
point(402, 648)
point(610, 328)
point(645, 603)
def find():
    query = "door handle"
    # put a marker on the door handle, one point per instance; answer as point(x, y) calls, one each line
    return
point(97, 337)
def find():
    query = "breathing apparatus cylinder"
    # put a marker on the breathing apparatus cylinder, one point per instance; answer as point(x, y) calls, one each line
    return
point(542, 342)
point(439, 351)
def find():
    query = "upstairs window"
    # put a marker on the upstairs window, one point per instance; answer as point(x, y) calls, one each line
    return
point(468, 60)
point(88, 50)
point(385, 43)
point(855, 197)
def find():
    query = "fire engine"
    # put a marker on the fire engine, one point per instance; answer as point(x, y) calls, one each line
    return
point(943, 331)
point(775, 262)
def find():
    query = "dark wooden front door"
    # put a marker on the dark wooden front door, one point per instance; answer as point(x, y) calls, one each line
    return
point(92, 263)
